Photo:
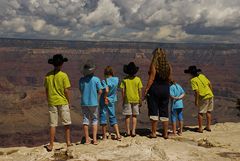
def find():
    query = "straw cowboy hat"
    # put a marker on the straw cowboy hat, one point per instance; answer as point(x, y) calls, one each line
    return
point(130, 69)
point(57, 60)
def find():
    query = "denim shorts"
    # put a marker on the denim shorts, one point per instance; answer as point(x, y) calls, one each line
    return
point(90, 113)
point(176, 114)
point(63, 111)
point(110, 109)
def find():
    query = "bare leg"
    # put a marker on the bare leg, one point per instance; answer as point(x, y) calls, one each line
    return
point(174, 128)
point(200, 118)
point(134, 124)
point(209, 117)
point(180, 127)
point(67, 135)
point(154, 128)
point(85, 129)
point(52, 136)
point(104, 131)
point(165, 129)
point(127, 124)
point(117, 131)
point(95, 134)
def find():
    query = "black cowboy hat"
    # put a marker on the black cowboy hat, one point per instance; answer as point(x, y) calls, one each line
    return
point(130, 69)
point(192, 70)
point(57, 60)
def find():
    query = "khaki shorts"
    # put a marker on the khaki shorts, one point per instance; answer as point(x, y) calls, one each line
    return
point(63, 111)
point(131, 109)
point(206, 105)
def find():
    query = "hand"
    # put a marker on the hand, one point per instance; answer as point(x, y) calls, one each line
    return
point(145, 94)
point(106, 101)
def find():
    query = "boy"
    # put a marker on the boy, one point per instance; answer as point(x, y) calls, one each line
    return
point(107, 102)
point(131, 95)
point(90, 88)
point(203, 95)
point(57, 91)
point(176, 95)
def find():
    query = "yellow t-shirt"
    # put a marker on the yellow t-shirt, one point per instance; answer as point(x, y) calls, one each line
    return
point(131, 86)
point(55, 85)
point(201, 84)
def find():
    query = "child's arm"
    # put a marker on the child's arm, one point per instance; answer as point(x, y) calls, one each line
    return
point(123, 95)
point(172, 97)
point(140, 97)
point(196, 97)
point(46, 91)
point(67, 95)
point(181, 96)
point(105, 95)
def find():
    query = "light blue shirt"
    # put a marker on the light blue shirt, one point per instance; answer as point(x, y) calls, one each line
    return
point(89, 87)
point(112, 84)
point(175, 91)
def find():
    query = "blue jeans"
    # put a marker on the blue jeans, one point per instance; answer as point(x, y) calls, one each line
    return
point(110, 109)
point(176, 114)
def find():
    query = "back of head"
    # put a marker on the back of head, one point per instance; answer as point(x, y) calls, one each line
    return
point(193, 70)
point(88, 68)
point(108, 71)
point(161, 64)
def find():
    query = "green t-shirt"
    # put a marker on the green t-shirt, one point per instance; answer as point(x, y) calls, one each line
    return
point(55, 85)
point(131, 86)
point(201, 84)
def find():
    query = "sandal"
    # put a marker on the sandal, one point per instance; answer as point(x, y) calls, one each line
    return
point(133, 135)
point(95, 143)
point(151, 136)
point(207, 129)
point(48, 148)
point(71, 144)
point(165, 137)
point(87, 143)
point(200, 130)
point(126, 135)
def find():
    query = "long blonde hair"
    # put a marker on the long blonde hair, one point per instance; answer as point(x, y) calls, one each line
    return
point(161, 64)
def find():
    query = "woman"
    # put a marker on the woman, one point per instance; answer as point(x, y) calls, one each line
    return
point(157, 91)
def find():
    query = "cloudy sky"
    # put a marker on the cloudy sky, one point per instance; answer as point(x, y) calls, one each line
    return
point(122, 20)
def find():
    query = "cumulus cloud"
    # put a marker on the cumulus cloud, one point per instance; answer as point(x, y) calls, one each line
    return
point(135, 20)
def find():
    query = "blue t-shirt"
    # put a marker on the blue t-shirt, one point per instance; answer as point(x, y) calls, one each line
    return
point(175, 91)
point(89, 87)
point(112, 84)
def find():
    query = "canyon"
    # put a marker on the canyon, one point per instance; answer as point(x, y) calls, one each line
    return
point(23, 65)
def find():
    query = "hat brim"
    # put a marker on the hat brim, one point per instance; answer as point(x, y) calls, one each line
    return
point(187, 71)
point(52, 61)
point(88, 71)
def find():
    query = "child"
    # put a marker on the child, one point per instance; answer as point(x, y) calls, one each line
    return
point(131, 94)
point(176, 95)
point(107, 102)
point(203, 95)
point(57, 86)
point(90, 87)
